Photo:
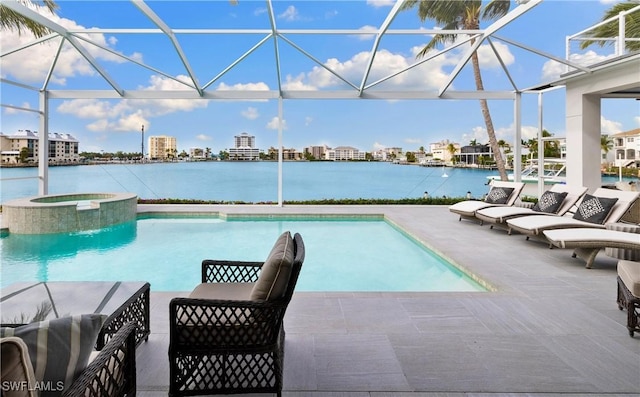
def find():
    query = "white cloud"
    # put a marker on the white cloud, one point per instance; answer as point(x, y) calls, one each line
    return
point(479, 134)
point(32, 64)
point(250, 113)
point(126, 123)
point(297, 83)
point(274, 124)
point(290, 14)
point(381, 3)
point(488, 58)
point(378, 146)
point(637, 120)
point(203, 137)
point(129, 115)
point(413, 141)
point(308, 120)
point(551, 70)
point(430, 75)
point(609, 127)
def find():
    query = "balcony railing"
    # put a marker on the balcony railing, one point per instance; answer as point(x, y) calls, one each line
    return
point(619, 41)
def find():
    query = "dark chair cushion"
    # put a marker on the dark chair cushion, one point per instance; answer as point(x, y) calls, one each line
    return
point(275, 272)
point(499, 195)
point(550, 202)
point(594, 209)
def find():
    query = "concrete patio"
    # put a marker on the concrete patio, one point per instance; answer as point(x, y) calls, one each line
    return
point(549, 327)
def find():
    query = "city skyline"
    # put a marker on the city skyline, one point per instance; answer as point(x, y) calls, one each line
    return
point(113, 125)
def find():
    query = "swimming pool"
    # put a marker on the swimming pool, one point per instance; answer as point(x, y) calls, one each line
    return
point(342, 254)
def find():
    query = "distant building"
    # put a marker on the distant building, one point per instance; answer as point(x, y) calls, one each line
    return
point(316, 151)
point(287, 154)
point(162, 147)
point(626, 148)
point(387, 154)
point(440, 151)
point(63, 148)
point(475, 155)
point(344, 153)
point(244, 149)
point(196, 153)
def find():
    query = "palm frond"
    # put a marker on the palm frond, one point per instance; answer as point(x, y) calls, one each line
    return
point(610, 30)
point(11, 20)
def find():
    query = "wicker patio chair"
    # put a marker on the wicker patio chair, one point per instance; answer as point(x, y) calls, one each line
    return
point(113, 371)
point(223, 341)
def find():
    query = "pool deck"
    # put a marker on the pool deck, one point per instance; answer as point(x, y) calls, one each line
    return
point(550, 327)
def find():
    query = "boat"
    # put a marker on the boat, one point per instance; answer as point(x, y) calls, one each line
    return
point(553, 171)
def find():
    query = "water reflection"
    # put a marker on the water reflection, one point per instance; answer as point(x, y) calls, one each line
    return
point(46, 247)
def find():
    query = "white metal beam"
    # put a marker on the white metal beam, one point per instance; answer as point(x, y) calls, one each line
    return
point(383, 28)
point(61, 30)
point(276, 51)
point(250, 95)
point(149, 13)
point(544, 54)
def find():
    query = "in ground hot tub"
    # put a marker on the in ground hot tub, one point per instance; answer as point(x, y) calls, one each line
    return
point(68, 212)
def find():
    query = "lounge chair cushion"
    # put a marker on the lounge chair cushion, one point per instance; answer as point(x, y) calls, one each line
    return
point(629, 273)
point(594, 209)
point(59, 349)
point(550, 202)
point(223, 291)
point(16, 367)
point(274, 276)
point(499, 195)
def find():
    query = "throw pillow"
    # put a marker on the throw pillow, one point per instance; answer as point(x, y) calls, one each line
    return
point(59, 349)
point(550, 202)
point(499, 195)
point(275, 272)
point(594, 209)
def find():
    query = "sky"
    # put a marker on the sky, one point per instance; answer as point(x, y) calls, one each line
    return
point(112, 125)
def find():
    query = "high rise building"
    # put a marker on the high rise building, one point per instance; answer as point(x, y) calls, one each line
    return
point(244, 148)
point(162, 147)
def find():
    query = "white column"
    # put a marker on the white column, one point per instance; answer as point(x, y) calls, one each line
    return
point(517, 144)
point(43, 144)
point(583, 139)
point(280, 199)
point(540, 146)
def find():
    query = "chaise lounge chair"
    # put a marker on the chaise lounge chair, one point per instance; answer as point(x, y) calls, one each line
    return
point(227, 337)
point(502, 193)
point(603, 206)
point(558, 200)
point(587, 242)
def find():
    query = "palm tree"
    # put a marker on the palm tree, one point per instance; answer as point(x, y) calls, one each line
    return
point(11, 20)
point(606, 143)
point(456, 14)
point(473, 142)
point(451, 148)
point(610, 30)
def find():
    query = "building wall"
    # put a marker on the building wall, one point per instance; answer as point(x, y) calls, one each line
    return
point(316, 151)
point(63, 148)
point(626, 148)
point(162, 147)
point(344, 153)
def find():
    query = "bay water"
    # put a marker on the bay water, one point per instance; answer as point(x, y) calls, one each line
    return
point(255, 182)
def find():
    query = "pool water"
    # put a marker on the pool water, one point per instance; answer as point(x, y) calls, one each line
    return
point(341, 255)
